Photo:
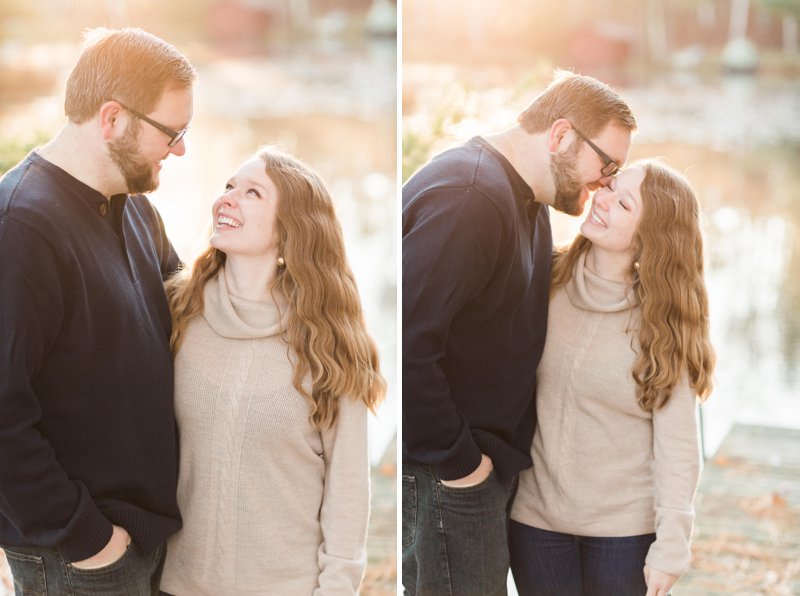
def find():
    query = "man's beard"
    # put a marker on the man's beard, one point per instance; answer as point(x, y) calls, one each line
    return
point(137, 172)
point(564, 168)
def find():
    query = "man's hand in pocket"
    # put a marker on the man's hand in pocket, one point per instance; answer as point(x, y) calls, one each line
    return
point(111, 553)
point(480, 474)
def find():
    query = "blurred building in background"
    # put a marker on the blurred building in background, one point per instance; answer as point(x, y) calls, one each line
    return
point(603, 35)
point(317, 77)
point(715, 88)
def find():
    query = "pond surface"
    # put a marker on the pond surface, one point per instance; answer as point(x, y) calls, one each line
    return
point(738, 141)
point(331, 104)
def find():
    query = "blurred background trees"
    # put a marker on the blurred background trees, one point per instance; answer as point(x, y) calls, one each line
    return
point(315, 76)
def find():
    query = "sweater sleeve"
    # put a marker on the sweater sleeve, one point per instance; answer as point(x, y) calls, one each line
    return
point(344, 513)
point(45, 506)
point(169, 262)
point(676, 464)
point(451, 241)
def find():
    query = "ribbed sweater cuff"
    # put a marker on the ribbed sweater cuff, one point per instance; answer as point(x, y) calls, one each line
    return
point(465, 461)
point(148, 530)
point(506, 459)
point(92, 533)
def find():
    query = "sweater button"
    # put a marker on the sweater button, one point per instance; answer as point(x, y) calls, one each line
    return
point(103, 208)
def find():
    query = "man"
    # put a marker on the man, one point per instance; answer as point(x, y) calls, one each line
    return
point(88, 466)
point(477, 249)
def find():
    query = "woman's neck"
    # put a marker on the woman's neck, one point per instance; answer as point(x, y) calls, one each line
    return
point(250, 277)
point(613, 266)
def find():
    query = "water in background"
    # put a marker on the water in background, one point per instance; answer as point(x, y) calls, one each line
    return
point(331, 103)
point(333, 109)
point(738, 141)
point(743, 165)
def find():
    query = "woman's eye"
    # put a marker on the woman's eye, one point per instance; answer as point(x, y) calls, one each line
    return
point(228, 186)
point(625, 206)
point(254, 192)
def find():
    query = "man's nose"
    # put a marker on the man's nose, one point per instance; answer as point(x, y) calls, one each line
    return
point(178, 148)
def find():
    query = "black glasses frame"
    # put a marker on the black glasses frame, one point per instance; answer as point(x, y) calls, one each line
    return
point(175, 136)
point(610, 167)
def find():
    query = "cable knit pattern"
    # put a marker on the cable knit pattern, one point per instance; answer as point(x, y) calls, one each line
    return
point(269, 505)
point(602, 466)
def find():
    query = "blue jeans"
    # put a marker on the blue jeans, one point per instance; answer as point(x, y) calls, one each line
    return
point(40, 571)
point(455, 540)
point(554, 564)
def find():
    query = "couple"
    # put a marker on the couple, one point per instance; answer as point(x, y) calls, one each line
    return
point(549, 397)
point(274, 371)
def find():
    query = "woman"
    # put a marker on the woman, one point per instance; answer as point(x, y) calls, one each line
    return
point(607, 507)
point(274, 374)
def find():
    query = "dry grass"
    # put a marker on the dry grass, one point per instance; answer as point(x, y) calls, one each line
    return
point(747, 538)
point(381, 579)
point(731, 564)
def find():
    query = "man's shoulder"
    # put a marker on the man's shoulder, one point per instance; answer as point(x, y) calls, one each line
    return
point(473, 164)
point(29, 194)
point(10, 182)
point(471, 174)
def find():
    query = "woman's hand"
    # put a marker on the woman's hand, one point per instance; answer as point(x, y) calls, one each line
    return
point(480, 474)
point(111, 553)
point(658, 583)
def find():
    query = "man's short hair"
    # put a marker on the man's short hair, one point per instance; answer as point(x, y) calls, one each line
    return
point(128, 65)
point(586, 102)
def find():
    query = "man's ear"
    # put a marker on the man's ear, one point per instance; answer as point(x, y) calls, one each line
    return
point(111, 122)
point(558, 130)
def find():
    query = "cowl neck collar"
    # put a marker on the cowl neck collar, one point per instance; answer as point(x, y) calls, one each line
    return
point(589, 291)
point(239, 318)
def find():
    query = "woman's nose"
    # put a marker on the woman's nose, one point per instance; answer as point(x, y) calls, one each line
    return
point(229, 197)
point(601, 197)
point(226, 199)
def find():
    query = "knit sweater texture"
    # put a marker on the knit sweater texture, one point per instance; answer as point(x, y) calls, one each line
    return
point(270, 504)
point(477, 249)
point(87, 429)
point(602, 466)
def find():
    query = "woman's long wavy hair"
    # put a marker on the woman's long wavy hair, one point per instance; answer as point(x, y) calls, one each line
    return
point(674, 325)
point(325, 325)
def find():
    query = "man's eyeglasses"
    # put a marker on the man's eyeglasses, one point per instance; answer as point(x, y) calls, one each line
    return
point(610, 167)
point(175, 136)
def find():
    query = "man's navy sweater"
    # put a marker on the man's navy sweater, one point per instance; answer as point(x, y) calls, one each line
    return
point(477, 251)
point(87, 430)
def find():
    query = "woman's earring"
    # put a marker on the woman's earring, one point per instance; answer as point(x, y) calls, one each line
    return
point(636, 265)
point(281, 262)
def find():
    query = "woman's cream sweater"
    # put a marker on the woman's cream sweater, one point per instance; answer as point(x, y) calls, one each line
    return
point(269, 504)
point(602, 466)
